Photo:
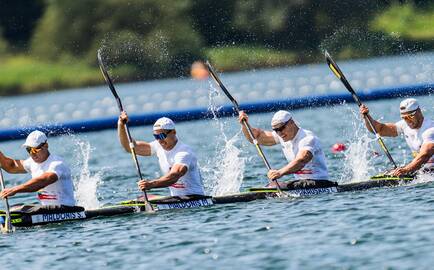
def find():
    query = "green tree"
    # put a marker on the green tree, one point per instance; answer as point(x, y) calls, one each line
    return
point(406, 21)
point(18, 19)
point(155, 36)
point(3, 45)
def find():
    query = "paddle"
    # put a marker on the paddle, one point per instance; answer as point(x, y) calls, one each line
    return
point(337, 71)
point(148, 206)
point(249, 129)
point(7, 228)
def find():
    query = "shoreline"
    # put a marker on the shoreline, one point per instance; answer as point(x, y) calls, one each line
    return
point(23, 75)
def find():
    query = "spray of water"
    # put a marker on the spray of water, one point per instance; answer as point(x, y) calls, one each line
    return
point(423, 178)
point(85, 183)
point(229, 168)
point(357, 160)
point(359, 156)
point(224, 170)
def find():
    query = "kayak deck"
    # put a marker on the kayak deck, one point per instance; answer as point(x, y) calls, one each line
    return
point(24, 219)
point(376, 182)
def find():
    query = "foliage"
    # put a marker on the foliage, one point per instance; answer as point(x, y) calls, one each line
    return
point(406, 21)
point(147, 39)
point(236, 58)
point(18, 19)
point(156, 35)
point(21, 74)
point(359, 43)
point(3, 45)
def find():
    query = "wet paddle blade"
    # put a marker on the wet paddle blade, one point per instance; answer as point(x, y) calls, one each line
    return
point(119, 102)
point(7, 226)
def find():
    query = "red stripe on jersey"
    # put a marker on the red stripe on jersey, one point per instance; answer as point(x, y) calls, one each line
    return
point(178, 185)
point(304, 172)
point(46, 197)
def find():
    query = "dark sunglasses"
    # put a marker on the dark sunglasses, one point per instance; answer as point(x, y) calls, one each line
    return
point(35, 150)
point(161, 136)
point(279, 129)
point(409, 116)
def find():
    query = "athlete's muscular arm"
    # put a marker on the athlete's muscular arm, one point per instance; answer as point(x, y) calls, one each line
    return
point(425, 153)
point(176, 172)
point(263, 137)
point(32, 185)
point(302, 158)
point(142, 148)
point(386, 130)
point(11, 165)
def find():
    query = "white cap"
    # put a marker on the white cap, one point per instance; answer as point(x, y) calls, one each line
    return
point(164, 123)
point(281, 117)
point(408, 105)
point(35, 138)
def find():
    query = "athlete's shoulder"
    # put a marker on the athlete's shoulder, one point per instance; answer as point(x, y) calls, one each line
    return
point(184, 147)
point(309, 139)
point(428, 134)
point(309, 135)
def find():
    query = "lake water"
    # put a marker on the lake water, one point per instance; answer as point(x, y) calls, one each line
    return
point(247, 87)
point(387, 228)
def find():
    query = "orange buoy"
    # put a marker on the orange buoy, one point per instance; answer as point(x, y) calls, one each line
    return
point(199, 71)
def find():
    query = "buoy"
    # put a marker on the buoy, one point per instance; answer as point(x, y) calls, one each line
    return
point(199, 71)
point(338, 147)
point(375, 154)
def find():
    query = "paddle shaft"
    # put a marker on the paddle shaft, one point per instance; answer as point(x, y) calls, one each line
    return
point(8, 225)
point(246, 125)
point(121, 109)
point(337, 71)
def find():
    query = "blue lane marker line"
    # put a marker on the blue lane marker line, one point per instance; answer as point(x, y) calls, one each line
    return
point(204, 113)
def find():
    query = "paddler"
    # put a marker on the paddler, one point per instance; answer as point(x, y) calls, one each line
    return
point(177, 160)
point(51, 176)
point(302, 149)
point(418, 132)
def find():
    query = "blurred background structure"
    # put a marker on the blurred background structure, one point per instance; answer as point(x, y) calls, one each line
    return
point(50, 45)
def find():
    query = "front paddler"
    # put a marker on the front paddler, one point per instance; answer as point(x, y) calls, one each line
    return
point(302, 149)
point(51, 176)
point(418, 132)
point(177, 160)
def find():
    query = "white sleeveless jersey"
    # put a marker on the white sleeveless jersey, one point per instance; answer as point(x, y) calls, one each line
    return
point(416, 137)
point(191, 182)
point(60, 192)
point(316, 169)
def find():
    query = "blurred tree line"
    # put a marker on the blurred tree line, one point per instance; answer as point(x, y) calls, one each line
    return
point(158, 38)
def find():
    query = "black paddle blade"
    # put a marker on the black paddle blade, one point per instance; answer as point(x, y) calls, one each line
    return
point(337, 71)
point(212, 72)
point(108, 80)
point(7, 226)
point(148, 206)
point(221, 85)
point(340, 75)
point(105, 74)
point(333, 66)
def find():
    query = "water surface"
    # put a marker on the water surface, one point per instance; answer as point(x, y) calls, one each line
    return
point(388, 228)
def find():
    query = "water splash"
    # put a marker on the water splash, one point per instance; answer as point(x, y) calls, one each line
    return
point(86, 184)
point(359, 155)
point(229, 169)
point(423, 177)
point(224, 171)
point(357, 160)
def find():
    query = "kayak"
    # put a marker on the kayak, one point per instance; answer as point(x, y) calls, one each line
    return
point(41, 216)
